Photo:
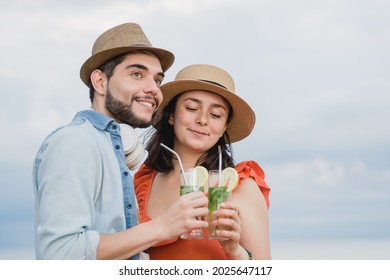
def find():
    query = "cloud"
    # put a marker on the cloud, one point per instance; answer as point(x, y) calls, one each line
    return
point(319, 198)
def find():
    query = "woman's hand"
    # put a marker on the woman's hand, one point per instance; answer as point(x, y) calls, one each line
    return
point(228, 215)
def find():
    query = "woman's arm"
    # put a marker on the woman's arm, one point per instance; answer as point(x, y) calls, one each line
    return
point(253, 214)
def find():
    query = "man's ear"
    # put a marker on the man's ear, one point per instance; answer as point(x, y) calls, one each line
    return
point(99, 82)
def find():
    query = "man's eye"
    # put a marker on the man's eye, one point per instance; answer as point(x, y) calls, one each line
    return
point(136, 74)
point(158, 82)
point(191, 109)
point(215, 116)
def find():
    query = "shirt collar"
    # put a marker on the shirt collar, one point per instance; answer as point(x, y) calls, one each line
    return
point(98, 120)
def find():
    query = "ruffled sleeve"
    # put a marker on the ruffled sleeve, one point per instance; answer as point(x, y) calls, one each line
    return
point(250, 169)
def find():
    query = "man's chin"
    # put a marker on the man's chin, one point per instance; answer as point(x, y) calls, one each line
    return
point(139, 123)
point(144, 125)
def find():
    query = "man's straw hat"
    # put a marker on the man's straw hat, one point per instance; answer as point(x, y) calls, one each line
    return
point(119, 40)
point(216, 80)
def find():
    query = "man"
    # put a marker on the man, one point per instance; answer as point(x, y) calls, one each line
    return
point(85, 207)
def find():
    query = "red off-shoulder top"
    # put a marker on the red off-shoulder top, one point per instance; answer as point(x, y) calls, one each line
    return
point(177, 248)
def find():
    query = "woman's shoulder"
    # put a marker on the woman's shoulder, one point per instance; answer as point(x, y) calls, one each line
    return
point(251, 169)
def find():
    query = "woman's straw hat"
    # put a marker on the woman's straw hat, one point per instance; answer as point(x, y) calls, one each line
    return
point(119, 40)
point(216, 80)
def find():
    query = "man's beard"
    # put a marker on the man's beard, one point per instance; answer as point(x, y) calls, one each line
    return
point(122, 112)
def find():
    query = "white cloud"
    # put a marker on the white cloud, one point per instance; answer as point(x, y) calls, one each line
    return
point(317, 171)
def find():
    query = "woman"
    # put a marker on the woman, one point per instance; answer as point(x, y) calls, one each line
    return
point(200, 112)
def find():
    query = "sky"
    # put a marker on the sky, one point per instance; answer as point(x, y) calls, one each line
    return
point(317, 74)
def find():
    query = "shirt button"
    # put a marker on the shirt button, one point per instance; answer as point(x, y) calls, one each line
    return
point(114, 127)
point(125, 173)
point(129, 206)
point(117, 147)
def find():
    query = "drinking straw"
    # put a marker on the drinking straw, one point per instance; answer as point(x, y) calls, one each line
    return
point(178, 158)
point(219, 165)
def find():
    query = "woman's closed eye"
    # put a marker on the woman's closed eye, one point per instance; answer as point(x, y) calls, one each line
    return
point(216, 116)
point(192, 109)
point(217, 112)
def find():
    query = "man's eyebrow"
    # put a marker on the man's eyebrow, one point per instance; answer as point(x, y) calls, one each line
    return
point(143, 67)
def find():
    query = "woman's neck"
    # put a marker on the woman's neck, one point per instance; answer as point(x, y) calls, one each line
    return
point(188, 159)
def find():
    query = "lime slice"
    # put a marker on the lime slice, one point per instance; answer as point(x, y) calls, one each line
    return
point(229, 178)
point(200, 176)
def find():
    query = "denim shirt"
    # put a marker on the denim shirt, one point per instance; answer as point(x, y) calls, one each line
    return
point(82, 188)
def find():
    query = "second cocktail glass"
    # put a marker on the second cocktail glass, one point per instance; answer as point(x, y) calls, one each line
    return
point(216, 194)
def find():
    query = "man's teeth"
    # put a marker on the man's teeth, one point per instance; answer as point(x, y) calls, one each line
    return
point(146, 103)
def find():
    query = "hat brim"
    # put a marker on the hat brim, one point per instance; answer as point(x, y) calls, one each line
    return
point(243, 120)
point(166, 59)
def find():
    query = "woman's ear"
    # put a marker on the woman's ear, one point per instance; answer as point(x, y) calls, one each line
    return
point(223, 132)
point(99, 82)
point(170, 119)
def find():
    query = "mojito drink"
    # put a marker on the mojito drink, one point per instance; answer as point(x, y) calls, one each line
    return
point(217, 195)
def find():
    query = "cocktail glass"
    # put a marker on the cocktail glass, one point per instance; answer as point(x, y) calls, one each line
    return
point(216, 195)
